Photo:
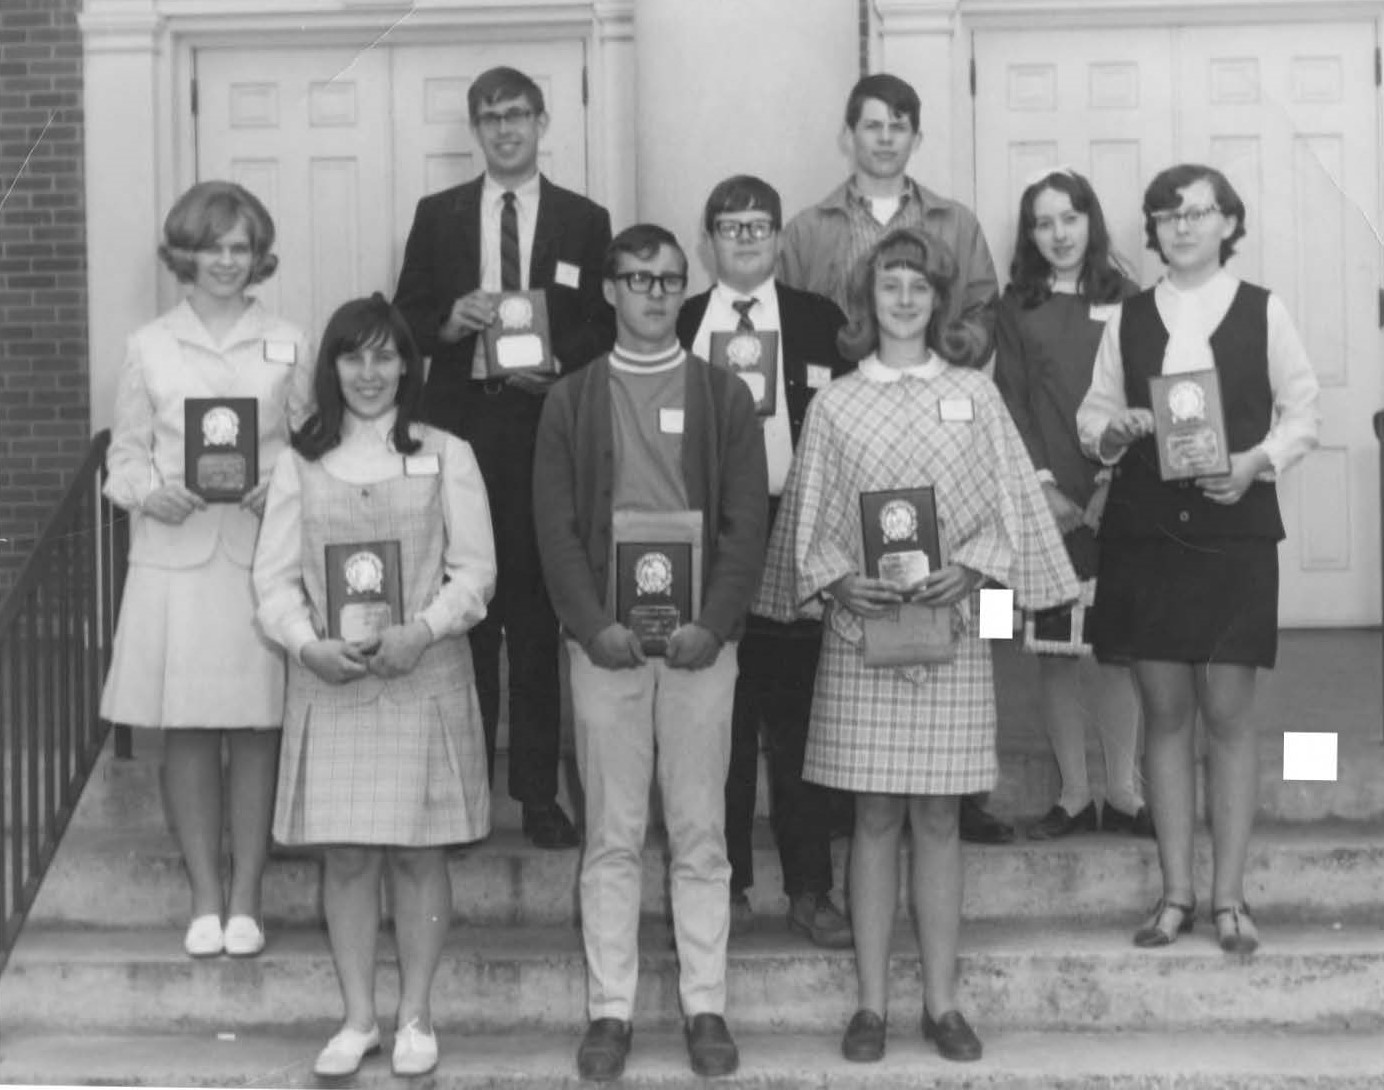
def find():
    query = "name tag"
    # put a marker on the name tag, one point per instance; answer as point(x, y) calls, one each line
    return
point(818, 376)
point(567, 274)
point(422, 465)
point(670, 421)
point(280, 352)
point(1103, 312)
point(956, 410)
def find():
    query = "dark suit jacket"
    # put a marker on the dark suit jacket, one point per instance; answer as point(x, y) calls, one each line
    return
point(442, 262)
point(810, 323)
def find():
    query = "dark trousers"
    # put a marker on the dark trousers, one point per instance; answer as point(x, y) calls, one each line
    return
point(500, 423)
point(778, 669)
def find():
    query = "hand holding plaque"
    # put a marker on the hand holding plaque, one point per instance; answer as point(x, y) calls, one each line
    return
point(365, 592)
point(1189, 425)
point(518, 339)
point(221, 447)
point(656, 573)
point(753, 355)
point(902, 544)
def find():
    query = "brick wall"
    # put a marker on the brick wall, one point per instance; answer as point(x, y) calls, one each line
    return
point(44, 413)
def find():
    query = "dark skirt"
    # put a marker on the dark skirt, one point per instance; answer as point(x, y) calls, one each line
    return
point(1212, 600)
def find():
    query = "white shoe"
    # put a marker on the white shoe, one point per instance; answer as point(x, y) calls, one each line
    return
point(415, 1052)
point(344, 1052)
point(204, 938)
point(244, 938)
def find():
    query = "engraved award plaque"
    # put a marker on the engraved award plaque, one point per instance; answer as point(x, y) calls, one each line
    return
point(902, 544)
point(518, 339)
point(365, 593)
point(656, 573)
point(1189, 425)
point(221, 447)
point(753, 355)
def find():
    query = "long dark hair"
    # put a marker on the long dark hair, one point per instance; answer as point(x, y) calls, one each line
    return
point(909, 247)
point(355, 325)
point(1101, 279)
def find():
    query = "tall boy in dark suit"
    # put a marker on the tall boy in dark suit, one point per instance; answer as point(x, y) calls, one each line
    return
point(778, 663)
point(508, 229)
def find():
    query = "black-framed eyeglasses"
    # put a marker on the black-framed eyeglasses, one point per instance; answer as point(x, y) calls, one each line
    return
point(735, 230)
point(642, 283)
point(514, 117)
point(1192, 217)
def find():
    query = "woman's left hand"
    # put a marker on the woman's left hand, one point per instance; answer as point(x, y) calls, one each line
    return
point(400, 648)
point(254, 499)
point(947, 586)
point(1244, 468)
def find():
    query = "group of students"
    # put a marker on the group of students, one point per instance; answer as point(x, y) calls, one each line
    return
point(504, 496)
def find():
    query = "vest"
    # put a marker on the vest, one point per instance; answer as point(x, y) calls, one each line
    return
point(1140, 504)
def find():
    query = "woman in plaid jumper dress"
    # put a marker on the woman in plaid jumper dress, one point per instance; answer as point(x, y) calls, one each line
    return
point(909, 741)
point(383, 753)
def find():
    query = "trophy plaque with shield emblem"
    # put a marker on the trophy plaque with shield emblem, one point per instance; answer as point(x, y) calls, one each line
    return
point(753, 355)
point(1189, 425)
point(221, 447)
point(365, 590)
point(518, 339)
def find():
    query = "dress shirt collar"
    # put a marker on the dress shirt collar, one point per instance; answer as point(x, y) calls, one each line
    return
point(526, 193)
point(766, 295)
point(356, 432)
point(182, 321)
point(875, 371)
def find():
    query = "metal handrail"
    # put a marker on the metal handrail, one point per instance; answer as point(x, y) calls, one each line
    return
point(56, 628)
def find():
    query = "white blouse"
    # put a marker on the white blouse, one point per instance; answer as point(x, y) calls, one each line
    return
point(1191, 316)
point(365, 456)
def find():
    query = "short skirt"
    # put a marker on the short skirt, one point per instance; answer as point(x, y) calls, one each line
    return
point(188, 652)
point(1210, 600)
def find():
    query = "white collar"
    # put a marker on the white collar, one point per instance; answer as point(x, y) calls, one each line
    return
point(379, 430)
point(1218, 281)
point(526, 191)
point(875, 371)
point(765, 295)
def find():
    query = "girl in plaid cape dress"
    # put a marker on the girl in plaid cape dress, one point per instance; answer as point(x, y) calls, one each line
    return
point(909, 741)
point(383, 754)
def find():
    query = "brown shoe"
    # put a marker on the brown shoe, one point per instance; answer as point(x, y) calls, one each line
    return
point(710, 1046)
point(814, 915)
point(953, 1036)
point(864, 1039)
point(601, 1055)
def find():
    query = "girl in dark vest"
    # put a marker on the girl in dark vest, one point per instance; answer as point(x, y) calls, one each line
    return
point(1188, 575)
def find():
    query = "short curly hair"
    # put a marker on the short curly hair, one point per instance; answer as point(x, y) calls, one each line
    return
point(1163, 194)
point(913, 248)
point(206, 212)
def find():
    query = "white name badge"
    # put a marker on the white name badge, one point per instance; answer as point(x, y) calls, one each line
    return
point(280, 352)
point(567, 274)
point(818, 376)
point(956, 410)
point(670, 421)
point(422, 465)
point(1103, 312)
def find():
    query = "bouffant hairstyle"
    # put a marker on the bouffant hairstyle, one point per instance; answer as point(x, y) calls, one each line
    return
point(895, 93)
point(206, 212)
point(642, 241)
point(1101, 278)
point(358, 324)
point(743, 193)
point(1163, 195)
point(909, 248)
point(500, 85)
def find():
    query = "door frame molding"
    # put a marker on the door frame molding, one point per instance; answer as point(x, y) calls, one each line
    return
point(140, 131)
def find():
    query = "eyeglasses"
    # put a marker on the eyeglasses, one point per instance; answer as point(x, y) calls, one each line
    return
point(642, 283)
point(735, 231)
point(1192, 217)
point(514, 117)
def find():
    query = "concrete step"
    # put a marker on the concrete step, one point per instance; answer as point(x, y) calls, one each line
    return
point(1323, 872)
point(1031, 975)
point(545, 1061)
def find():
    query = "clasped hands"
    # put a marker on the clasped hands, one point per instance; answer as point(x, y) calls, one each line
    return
point(394, 654)
point(474, 312)
point(1131, 424)
point(690, 647)
point(876, 597)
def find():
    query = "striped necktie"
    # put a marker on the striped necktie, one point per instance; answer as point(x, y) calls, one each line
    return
point(743, 307)
point(509, 245)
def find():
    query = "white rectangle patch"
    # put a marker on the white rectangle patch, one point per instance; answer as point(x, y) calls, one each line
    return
point(422, 465)
point(670, 421)
point(956, 410)
point(567, 274)
point(996, 613)
point(280, 352)
point(1309, 755)
point(818, 376)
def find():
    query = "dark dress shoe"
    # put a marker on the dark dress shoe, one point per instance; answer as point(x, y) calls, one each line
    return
point(548, 827)
point(1113, 820)
point(814, 915)
point(710, 1047)
point(954, 1038)
point(1057, 823)
point(864, 1039)
point(978, 826)
point(601, 1054)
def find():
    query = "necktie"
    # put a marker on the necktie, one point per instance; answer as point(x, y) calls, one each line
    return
point(509, 245)
point(742, 307)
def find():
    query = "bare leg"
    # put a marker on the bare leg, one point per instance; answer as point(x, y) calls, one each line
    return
point(254, 763)
point(1168, 696)
point(192, 785)
point(874, 893)
point(351, 899)
point(1117, 716)
point(422, 914)
point(1064, 716)
point(1226, 696)
point(937, 887)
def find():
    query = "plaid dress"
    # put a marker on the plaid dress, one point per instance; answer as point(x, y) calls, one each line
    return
point(917, 730)
point(387, 762)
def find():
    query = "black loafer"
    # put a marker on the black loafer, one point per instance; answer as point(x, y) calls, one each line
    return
point(1114, 820)
point(978, 826)
point(954, 1038)
point(710, 1046)
point(864, 1039)
point(601, 1054)
point(1058, 823)
point(548, 827)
